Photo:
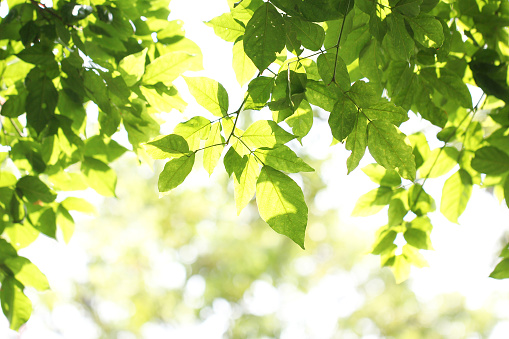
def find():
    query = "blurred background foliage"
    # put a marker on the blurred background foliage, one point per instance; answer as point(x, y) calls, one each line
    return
point(185, 266)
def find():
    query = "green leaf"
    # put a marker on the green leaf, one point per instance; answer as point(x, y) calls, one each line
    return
point(357, 142)
point(243, 11)
point(175, 172)
point(210, 94)
point(310, 34)
point(365, 94)
point(169, 66)
point(371, 61)
point(282, 158)
point(265, 133)
point(193, 131)
point(301, 120)
point(408, 8)
point(384, 241)
point(419, 201)
point(327, 63)
point(501, 271)
point(163, 99)
point(262, 39)
point(455, 195)
point(15, 304)
point(35, 190)
point(378, 174)
point(281, 204)
point(132, 67)
point(242, 65)
point(259, 90)
point(428, 31)
point(398, 208)
point(7, 179)
point(226, 27)
point(245, 183)
point(389, 148)
point(373, 201)
point(233, 162)
point(450, 85)
point(104, 149)
point(65, 222)
point(342, 119)
point(27, 273)
point(78, 204)
point(43, 218)
point(490, 160)
point(506, 191)
point(214, 148)
point(386, 111)
point(318, 94)
point(41, 100)
point(400, 43)
point(439, 162)
point(418, 238)
point(99, 176)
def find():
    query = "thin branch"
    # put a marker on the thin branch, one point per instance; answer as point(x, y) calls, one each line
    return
point(339, 41)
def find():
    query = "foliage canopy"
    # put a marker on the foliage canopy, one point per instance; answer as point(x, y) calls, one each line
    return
point(369, 64)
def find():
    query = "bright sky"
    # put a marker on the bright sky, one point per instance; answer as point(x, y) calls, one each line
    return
point(464, 254)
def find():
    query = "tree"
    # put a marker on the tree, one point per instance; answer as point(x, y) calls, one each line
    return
point(369, 64)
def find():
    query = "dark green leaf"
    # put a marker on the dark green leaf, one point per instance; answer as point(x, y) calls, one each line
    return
point(326, 64)
point(310, 34)
point(490, 160)
point(262, 40)
point(35, 190)
point(342, 119)
point(41, 100)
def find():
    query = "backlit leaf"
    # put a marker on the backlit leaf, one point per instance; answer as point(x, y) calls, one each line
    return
point(15, 304)
point(389, 148)
point(281, 204)
point(169, 66)
point(282, 158)
point(214, 147)
point(265, 133)
point(175, 172)
point(169, 146)
point(245, 183)
point(455, 195)
point(373, 201)
point(210, 94)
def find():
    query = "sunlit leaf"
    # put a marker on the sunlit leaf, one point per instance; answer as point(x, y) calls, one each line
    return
point(281, 204)
point(175, 172)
